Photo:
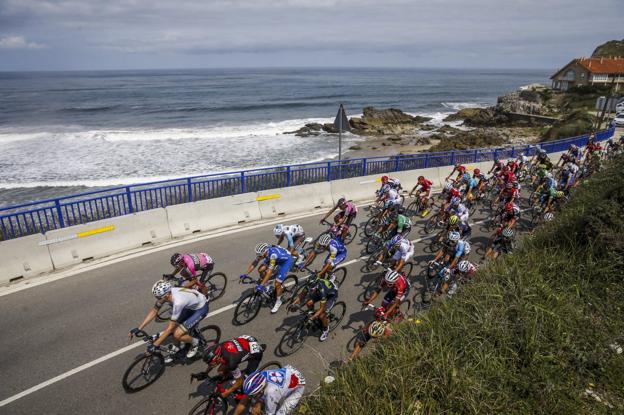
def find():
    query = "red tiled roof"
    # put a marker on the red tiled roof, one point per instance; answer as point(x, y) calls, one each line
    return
point(603, 65)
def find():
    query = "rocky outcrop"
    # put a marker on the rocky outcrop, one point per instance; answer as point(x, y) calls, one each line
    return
point(463, 114)
point(610, 49)
point(575, 123)
point(389, 121)
point(464, 140)
point(527, 101)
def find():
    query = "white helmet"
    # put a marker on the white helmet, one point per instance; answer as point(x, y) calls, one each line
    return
point(161, 288)
point(261, 248)
point(463, 266)
point(448, 187)
point(549, 216)
point(453, 236)
point(278, 230)
point(391, 276)
point(324, 240)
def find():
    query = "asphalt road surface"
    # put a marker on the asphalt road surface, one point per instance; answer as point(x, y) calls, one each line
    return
point(54, 328)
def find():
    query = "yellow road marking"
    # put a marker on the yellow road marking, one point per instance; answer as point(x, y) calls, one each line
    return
point(268, 197)
point(95, 231)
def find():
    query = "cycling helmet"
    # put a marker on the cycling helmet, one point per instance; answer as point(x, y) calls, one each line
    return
point(507, 233)
point(467, 176)
point(549, 175)
point(448, 187)
point(212, 355)
point(455, 201)
point(461, 168)
point(376, 329)
point(498, 162)
point(391, 277)
point(453, 220)
point(254, 384)
point(278, 230)
point(509, 207)
point(505, 168)
point(341, 201)
point(324, 239)
point(176, 259)
point(453, 236)
point(384, 179)
point(542, 152)
point(161, 288)
point(261, 248)
point(549, 216)
point(421, 179)
point(573, 147)
point(455, 192)
point(509, 185)
point(463, 266)
point(559, 194)
point(396, 239)
point(477, 172)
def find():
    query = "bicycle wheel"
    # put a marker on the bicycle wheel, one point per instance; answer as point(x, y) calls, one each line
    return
point(351, 234)
point(211, 334)
point(431, 224)
point(373, 245)
point(290, 286)
point(293, 339)
point(164, 314)
point(407, 269)
point(436, 242)
point(339, 275)
point(370, 287)
point(336, 314)
point(413, 209)
point(212, 405)
point(370, 262)
point(247, 309)
point(272, 365)
point(371, 226)
point(145, 370)
point(216, 284)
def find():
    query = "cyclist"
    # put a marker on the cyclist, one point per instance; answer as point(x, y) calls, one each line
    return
point(274, 257)
point(481, 179)
point(189, 307)
point(502, 243)
point(457, 208)
point(373, 330)
point(513, 165)
point(460, 172)
point(228, 356)
point(453, 250)
point(470, 184)
point(403, 251)
point(568, 176)
point(424, 193)
point(189, 266)
point(398, 289)
point(497, 167)
point(348, 212)
point(397, 223)
point(324, 292)
point(510, 215)
point(278, 390)
point(463, 270)
point(294, 236)
point(337, 253)
point(523, 162)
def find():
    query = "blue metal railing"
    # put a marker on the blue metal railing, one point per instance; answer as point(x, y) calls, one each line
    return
point(44, 215)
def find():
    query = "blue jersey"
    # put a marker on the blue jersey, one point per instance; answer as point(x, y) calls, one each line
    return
point(462, 248)
point(278, 255)
point(337, 247)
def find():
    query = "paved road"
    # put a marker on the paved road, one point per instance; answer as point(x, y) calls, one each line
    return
point(53, 328)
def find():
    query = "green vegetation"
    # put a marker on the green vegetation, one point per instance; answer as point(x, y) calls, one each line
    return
point(530, 336)
point(572, 124)
point(610, 49)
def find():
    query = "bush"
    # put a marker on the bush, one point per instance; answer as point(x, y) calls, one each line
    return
point(530, 336)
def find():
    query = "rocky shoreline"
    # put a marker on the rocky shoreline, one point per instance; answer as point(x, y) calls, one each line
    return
point(521, 116)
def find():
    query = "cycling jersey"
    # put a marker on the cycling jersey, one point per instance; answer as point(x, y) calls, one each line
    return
point(502, 245)
point(462, 248)
point(399, 288)
point(291, 232)
point(404, 250)
point(189, 307)
point(197, 262)
point(325, 292)
point(350, 209)
point(284, 388)
point(280, 256)
point(403, 223)
point(337, 252)
point(425, 186)
point(241, 349)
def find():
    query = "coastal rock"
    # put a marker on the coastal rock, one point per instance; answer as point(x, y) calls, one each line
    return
point(310, 129)
point(389, 121)
point(464, 140)
point(447, 129)
point(463, 114)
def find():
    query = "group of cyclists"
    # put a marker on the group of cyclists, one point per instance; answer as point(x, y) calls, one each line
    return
point(278, 391)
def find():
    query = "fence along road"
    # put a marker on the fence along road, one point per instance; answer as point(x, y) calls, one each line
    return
point(55, 328)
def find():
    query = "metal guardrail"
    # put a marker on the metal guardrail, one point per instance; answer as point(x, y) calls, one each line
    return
point(44, 215)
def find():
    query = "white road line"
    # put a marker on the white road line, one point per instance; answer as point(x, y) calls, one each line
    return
point(91, 364)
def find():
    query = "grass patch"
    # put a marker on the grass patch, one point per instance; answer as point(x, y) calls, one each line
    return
point(528, 337)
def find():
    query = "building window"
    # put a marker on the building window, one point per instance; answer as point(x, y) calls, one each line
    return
point(570, 74)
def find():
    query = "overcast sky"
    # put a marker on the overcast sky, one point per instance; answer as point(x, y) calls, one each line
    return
point(129, 34)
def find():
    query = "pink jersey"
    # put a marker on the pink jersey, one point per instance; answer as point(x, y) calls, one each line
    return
point(196, 262)
point(350, 209)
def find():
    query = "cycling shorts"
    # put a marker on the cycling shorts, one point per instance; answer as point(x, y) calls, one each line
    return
point(190, 318)
point(284, 268)
point(391, 296)
point(337, 260)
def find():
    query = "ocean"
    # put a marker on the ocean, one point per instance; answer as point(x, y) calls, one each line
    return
point(67, 132)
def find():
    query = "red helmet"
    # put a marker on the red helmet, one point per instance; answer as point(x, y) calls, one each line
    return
point(505, 169)
point(380, 312)
point(509, 185)
point(455, 193)
point(477, 172)
point(212, 355)
point(421, 179)
point(384, 179)
point(509, 207)
point(461, 168)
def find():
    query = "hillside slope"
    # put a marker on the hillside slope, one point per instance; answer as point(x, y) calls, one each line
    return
point(611, 48)
point(531, 336)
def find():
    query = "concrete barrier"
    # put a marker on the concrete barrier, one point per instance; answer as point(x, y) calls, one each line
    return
point(129, 232)
point(23, 257)
point(357, 189)
point(276, 202)
point(409, 178)
point(206, 215)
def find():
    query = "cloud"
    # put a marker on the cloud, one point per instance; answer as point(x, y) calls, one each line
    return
point(18, 42)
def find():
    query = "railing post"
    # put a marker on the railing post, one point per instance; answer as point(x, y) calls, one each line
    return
point(396, 163)
point(427, 161)
point(452, 157)
point(495, 154)
point(513, 151)
point(189, 189)
point(528, 150)
point(364, 166)
point(243, 186)
point(475, 156)
point(288, 176)
point(329, 171)
point(59, 212)
point(129, 199)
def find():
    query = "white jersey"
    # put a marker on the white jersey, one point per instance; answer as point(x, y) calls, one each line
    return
point(404, 251)
point(182, 298)
point(392, 194)
point(284, 388)
point(293, 230)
